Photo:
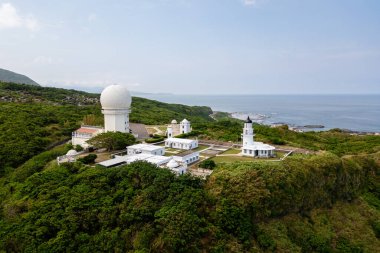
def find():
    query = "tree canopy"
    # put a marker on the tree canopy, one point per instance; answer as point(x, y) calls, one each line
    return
point(299, 205)
point(112, 140)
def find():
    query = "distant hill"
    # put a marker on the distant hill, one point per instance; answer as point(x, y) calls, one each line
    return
point(144, 110)
point(12, 77)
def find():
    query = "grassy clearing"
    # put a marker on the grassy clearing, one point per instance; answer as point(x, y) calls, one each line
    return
point(162, 128)
point(231, 159)
point(170, 153)
point(172, 150)
point(232, 151)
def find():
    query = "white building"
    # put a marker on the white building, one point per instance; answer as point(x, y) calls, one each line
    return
point(175, 129)
point(83, 134)
point(179, 143)
point(160, 161)
point(145, 149)
point(253, 148)
point(178, 168)
point(185, 126)
point(187, 157)
point(127, 159)
point(116, 103)
point(70, 157)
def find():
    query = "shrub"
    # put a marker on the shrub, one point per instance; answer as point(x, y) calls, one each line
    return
point(376, 228)
point(207, 164)
point(112, 140)
point(78, 148)
point(266, 242)
point(277, 141)
point(154, 140)
point(89, 159)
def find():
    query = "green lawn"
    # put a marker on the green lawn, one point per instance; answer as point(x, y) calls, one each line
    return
point(172, 150)
point(169, 153)
point(162, 128)
point(231, 159)
point(232, 151)
point(280, 154)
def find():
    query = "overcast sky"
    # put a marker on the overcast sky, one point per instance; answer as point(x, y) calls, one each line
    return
point(195, 46)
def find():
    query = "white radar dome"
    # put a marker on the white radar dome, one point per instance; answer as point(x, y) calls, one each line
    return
point(115, 97)
point(172, 164)
point(72, 152)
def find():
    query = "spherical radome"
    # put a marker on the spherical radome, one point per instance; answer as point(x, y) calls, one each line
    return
point(115, 97)
point(174, 121)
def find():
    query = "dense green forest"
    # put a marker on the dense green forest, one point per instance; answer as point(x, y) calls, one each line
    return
point(317, 203)
point(327, 202)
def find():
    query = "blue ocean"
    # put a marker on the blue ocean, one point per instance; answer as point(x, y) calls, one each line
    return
point(352, 112)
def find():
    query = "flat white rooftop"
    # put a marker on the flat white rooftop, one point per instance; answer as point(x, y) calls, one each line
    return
point(147, 147)
point(180, 140)
point(158, 160)
point(259, 146)
point(118, 160)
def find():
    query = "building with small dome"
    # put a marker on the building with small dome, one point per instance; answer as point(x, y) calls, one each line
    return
point(177, 167)
point(70, 157)
point(175, 129)
point(116, 103)
point(253, 148)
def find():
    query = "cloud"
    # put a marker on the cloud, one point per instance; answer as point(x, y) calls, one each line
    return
point(47, 60)
point(249, 2)
point(92, 17)
point(9, 19)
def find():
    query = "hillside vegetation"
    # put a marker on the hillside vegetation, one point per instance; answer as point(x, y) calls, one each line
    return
point(329, 202)
point(9, 76)
point(335, 140)
point(306, 204)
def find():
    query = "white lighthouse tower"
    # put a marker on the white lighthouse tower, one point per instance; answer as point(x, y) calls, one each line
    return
point(247, 134)
point(116, 103)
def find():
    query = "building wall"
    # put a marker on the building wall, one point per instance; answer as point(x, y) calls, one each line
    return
point(177, 129)
point(179, 145)
point(257, 153)
point(188, 159)
point(185, 128)
point(180, 171)
point(116, 120)
point(170, 131)
point(248, 135)
point(77, 140)
point(133, 151)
